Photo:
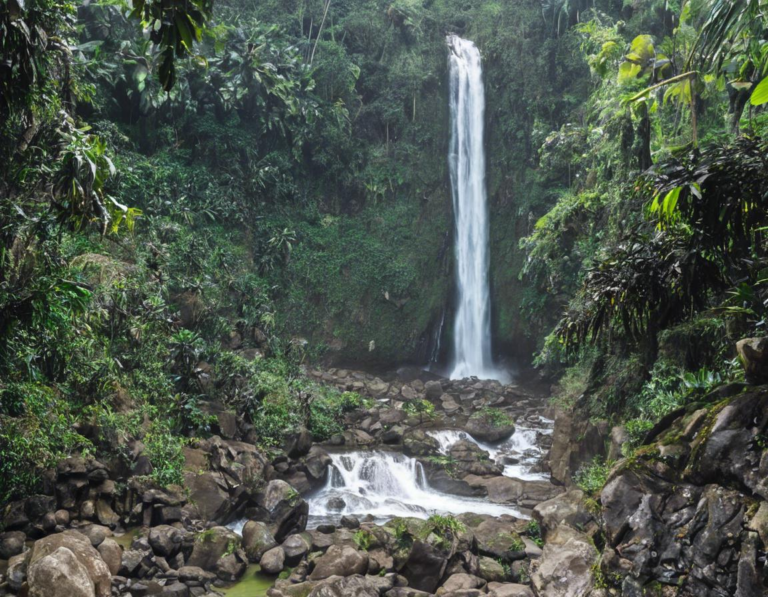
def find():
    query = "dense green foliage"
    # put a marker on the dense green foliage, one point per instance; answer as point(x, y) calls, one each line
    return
point(197, 200)
point(653, 254)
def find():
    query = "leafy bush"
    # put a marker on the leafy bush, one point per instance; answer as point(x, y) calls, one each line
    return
point(591, 477)
point(363, 539)
point(533, 529)
point(637, 429)
point(326, 411)
point(164, 450)
point(445, 527)
point(420, 407)
point(494, 416)
point(35, 440)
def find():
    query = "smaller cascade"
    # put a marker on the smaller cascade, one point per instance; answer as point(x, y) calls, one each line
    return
point(522, 448)
point(386, 485)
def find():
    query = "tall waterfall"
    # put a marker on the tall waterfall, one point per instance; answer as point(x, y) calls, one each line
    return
point(466, 160)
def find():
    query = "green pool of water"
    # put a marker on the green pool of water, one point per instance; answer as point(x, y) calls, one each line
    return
point(127, 538)
point(253, 584)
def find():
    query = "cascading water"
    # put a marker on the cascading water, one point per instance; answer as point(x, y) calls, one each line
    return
point(466, 160)
point(519, 454)
point(386, 485)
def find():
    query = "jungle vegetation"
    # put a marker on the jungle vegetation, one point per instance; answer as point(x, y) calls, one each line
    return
point(200, 198)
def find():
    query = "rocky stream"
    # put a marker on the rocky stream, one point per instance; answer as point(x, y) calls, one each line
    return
point(367, 513)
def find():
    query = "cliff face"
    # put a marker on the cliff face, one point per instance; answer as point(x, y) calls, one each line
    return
point(688, 515)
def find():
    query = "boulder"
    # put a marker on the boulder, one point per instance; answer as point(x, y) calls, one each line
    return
point(83, 551)
point(211, 545)
point(486, 426)
point(112, 554)
point(257, 540)
point(16, 573)
point(96, 533)
point(416, 442)
point(507, 490)
point(273, 561)
point(565, 568)
point(433, 390)
point(472, 459)
point(130, 561)
point(496, 537)
point(230, 567)
point(340, 560)
point(317, 462)
point(509, 590)
point(210, 493)
point(754, 356)
point(297, 443)
point(176, 589)
point(619, 437)
point(349, 522)
point(392, 416)
point(461, 582)
point(283, 509)
point(11, 544)
point(352, 586)
point(295, 548)
point(165, 540)
point(569, 507)
point(195, 574)
point(62, 574)
point(575, 443)
point(490, 569)
point(424, 567)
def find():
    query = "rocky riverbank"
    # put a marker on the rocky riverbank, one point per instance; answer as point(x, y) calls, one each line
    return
point(685, 515)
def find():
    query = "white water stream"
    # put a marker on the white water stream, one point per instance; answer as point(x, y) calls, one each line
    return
point(522, 448)
point(466, 161)
point(386, 485)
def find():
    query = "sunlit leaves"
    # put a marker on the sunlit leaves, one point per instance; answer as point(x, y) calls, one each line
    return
point(760, 94)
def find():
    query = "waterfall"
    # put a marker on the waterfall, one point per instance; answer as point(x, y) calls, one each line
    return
point(466, 161)
point(522, 449)
point(386, 485)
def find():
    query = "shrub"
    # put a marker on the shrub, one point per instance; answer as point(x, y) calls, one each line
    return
point(36, 439)
point(591, 477)
point(363, 539)
point(164, 450)
point(637, 429)
point(494, 416)
point(534, 532)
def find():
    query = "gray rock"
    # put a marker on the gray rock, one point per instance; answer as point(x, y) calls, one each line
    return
point(340, 560)
point(112, 554)
point(211, 546)
point(508, 590)
point(273, 561)
point(567, 507)
point(754, 357)
point(60, 573)
point(349, 522)
point(352, 586)
point(565, 568)
point(485, 428)
point(165, 540)
point(83, 551)
point(416, 442)
point(257, 540)
point(461, 582)
point(295, 548)
point(11, 544)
